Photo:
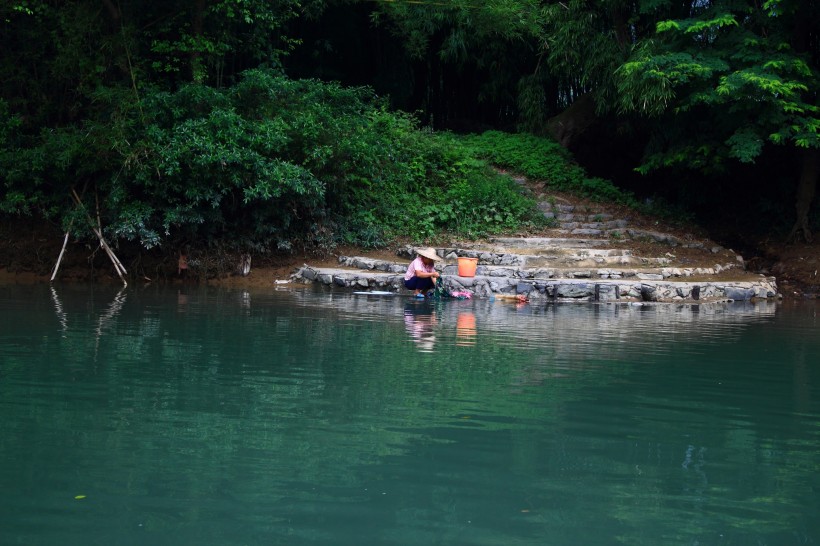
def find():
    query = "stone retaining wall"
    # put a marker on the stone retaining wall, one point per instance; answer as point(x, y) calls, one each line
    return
point(554, 289)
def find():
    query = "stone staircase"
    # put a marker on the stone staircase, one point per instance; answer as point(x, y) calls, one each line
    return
point(591, 255)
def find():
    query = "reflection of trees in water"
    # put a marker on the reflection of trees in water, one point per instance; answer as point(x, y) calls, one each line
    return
point(321, 388)
point(58, 309)
point(104, 321)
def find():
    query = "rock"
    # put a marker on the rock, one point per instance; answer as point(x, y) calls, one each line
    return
point(649, 276)
point(532, 265)
point(307, 273)
point(606, 292)
point(648, 293)
point(630, 291)
point(523, 288)
point(466, 282)
point(574, 290)
point(739, 294)
point(501, 273)
point(592, 232)
point(655, 236)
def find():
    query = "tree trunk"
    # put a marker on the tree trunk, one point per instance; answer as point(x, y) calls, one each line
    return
point(811, 157)
point(113, 12)
point(805, 194)
point(571, 124)
point(197, 26)
point(620, 21)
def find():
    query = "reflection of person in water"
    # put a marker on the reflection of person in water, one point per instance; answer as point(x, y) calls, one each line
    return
point(182, 301)
point(420, 320)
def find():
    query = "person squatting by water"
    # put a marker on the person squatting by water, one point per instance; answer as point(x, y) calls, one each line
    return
point(421, 274)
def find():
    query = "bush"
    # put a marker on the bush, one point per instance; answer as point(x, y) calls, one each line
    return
point(268, 164)
point(544, 159)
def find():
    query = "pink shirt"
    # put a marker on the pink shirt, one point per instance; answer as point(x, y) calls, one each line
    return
point(417, 264)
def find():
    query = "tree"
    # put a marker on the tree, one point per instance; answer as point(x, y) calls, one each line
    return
point(581, 45)
point(469, 55)
point(76, 75)
point(725, 83)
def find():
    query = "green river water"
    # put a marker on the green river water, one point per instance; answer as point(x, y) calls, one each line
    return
point(199, 416)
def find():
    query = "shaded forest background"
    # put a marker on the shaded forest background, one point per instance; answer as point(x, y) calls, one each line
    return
point(461, 75)
point(257, 125)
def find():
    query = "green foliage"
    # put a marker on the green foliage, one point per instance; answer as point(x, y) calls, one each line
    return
point(721, 85)
point(544, 159)
point(582, 43)
point(148, 109)
point(267, 163)
point(487, 45)
point(533, 113)
point(437, 187)
point(467, 27)
point(194, 41)
point(482, 205)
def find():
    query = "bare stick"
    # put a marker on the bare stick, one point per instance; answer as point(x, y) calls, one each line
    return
point(111, 254)
point(60, 257)
point(98, 232)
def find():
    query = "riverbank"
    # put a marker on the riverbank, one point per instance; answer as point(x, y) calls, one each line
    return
point(28, 255)
point(794, 266)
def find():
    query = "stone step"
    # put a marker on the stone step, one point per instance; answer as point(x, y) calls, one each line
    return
point(561, 211)
point(577, 271)
point(543, 242)
point(570, 217)
point(560, 258)
point(546, 256)
point(605, 235)
point(557, 258)
point(550, 289)
point(588, 235)
point(556, 208)
point(600, 225)
point(581, 260)
point(552, 252)
point(589, 259)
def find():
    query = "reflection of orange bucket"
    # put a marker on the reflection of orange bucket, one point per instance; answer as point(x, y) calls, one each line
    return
point(465, 320)
point(465, 329)
point(467, 266)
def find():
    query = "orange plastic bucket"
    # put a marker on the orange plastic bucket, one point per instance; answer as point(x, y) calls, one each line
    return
point(467, 266)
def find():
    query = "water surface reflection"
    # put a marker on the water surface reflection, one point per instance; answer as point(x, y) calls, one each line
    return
point(420, 321)
point(205, 416)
